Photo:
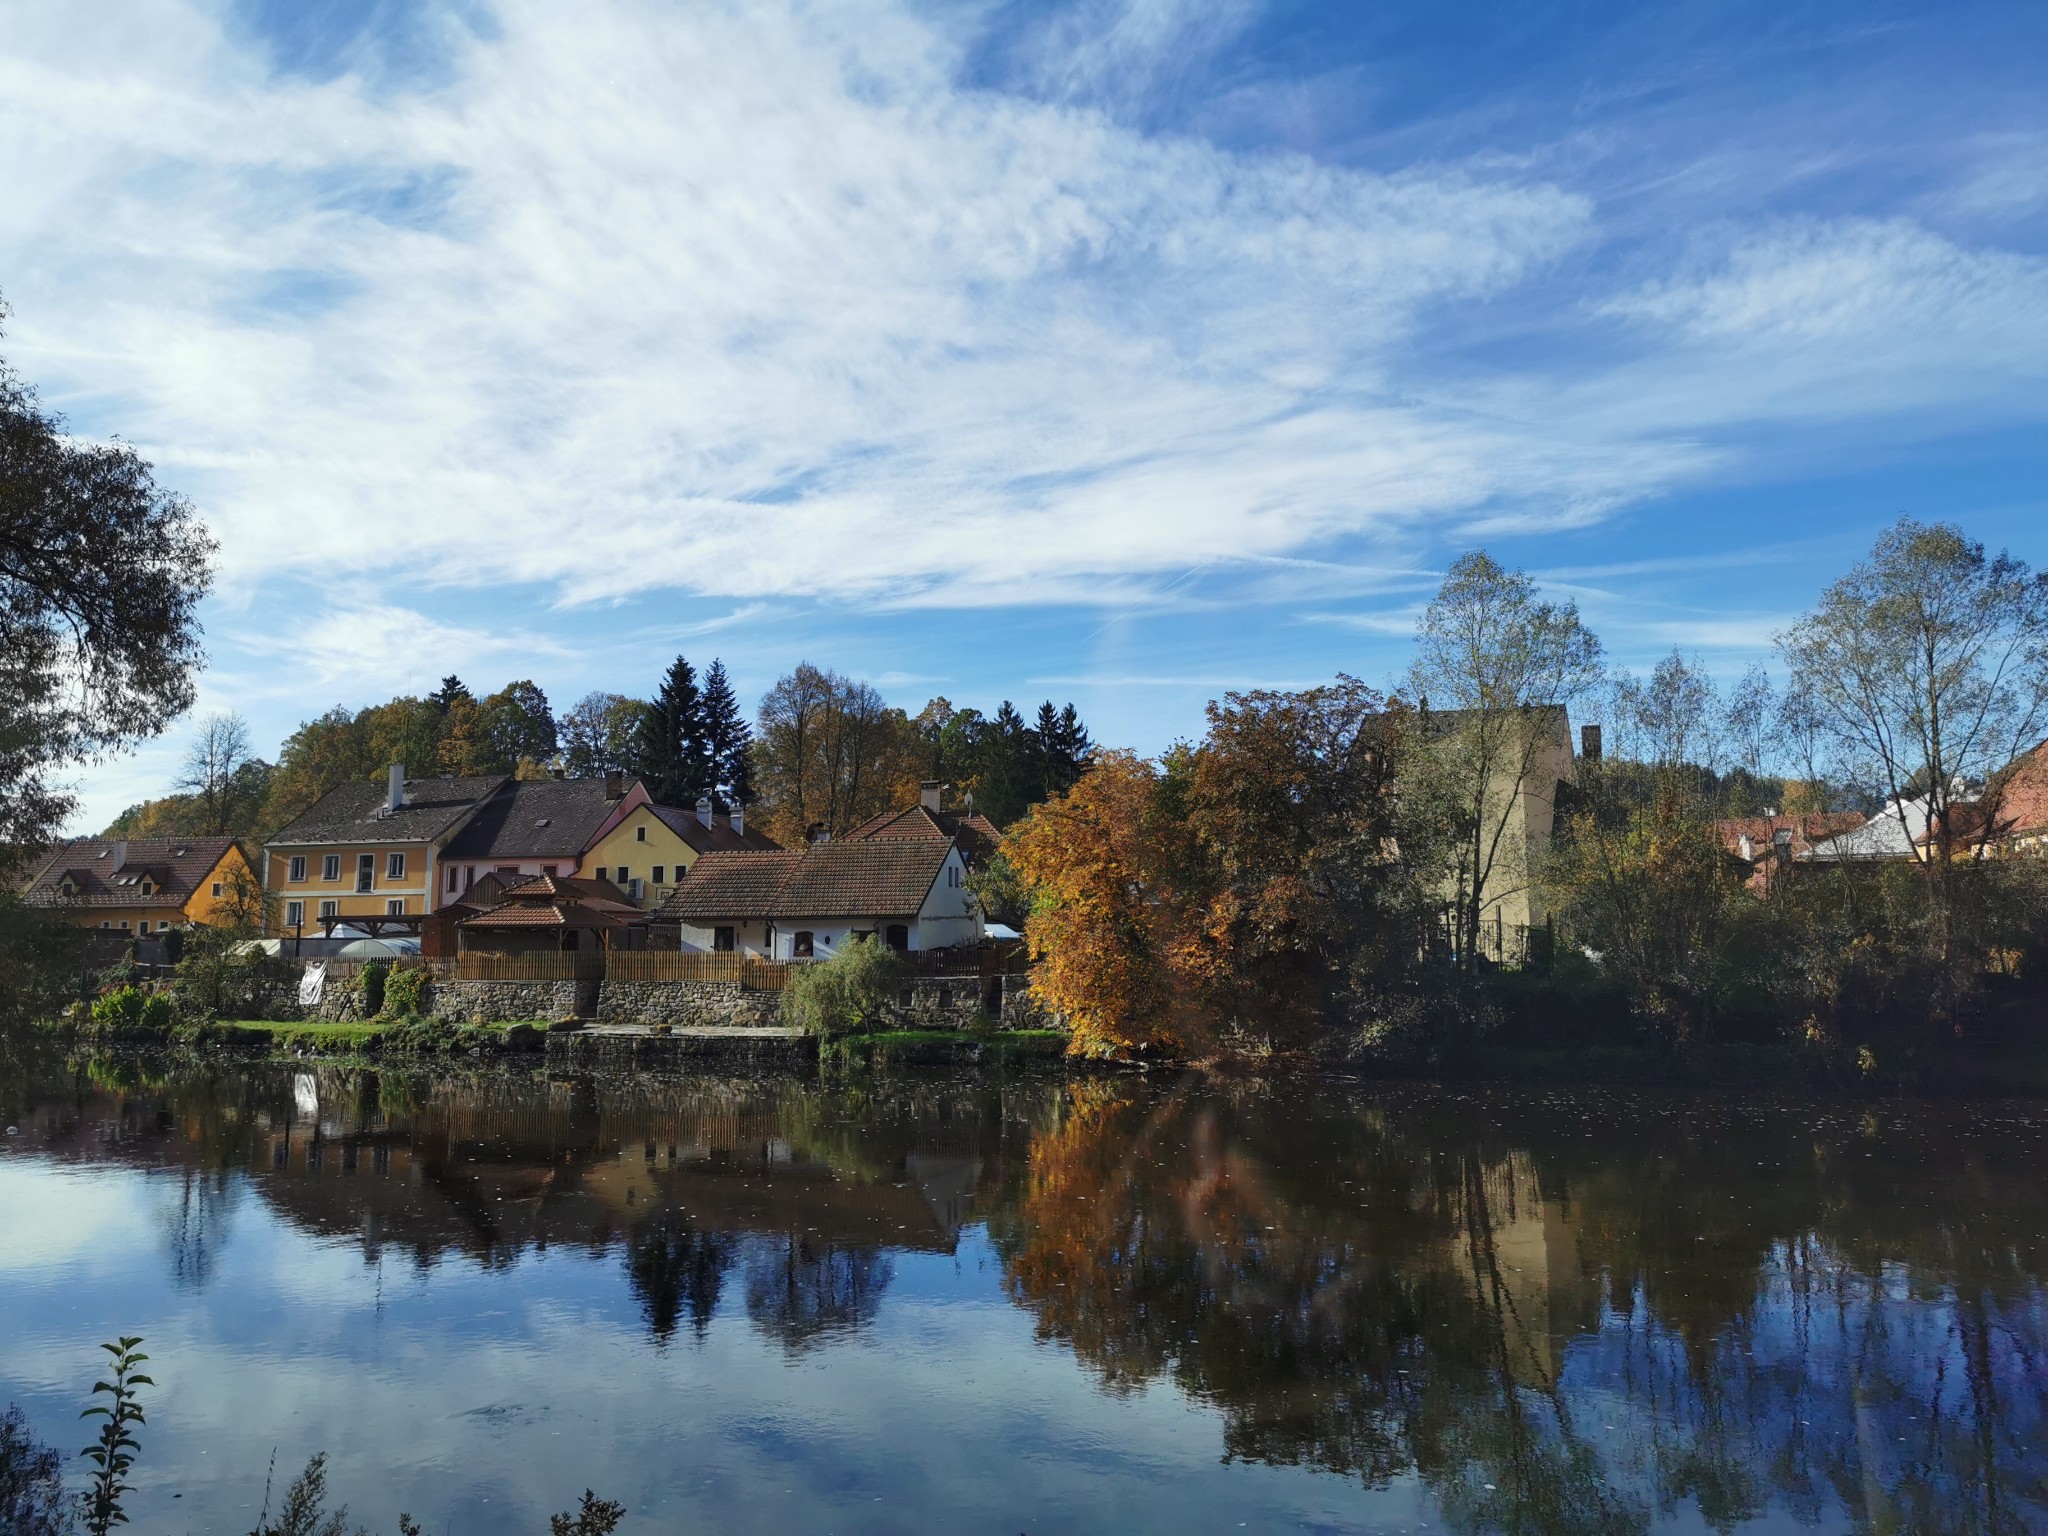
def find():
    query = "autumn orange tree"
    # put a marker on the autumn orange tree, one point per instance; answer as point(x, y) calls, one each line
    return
point(1294, 889)
point(1106, 920)
point(1249, 884)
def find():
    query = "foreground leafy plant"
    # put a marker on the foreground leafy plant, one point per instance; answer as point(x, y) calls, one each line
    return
point(114, 1452)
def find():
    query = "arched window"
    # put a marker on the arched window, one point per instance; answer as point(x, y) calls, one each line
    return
point(800, 944)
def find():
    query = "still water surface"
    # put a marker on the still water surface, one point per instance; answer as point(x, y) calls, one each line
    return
point(1112, 1305)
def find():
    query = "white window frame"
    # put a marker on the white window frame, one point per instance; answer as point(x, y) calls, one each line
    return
point(394, 865)
point(330, 866)
point(329, 907)
point(366, 873)
point(219, 889)
point(394, 906)
point(640, 833)
point(454, 878)
point(295, 914)
point(295, 870)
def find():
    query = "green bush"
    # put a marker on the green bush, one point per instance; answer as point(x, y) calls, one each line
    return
point(157, 1014)
point(435, 1037)
point(118, 1008)
point(372, 982)
point(216, 980)
point(852, 993)
point(405, 993)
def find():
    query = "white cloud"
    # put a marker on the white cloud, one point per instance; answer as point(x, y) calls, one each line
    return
point(738, 301)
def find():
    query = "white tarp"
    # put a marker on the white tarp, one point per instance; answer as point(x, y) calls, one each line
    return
point(312, 983)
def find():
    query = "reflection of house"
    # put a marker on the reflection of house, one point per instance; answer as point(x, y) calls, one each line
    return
point(369, 853)
point(646, 848)
point(911, 893)
point(138, 885)
point(1766, 844)
point(537, 827)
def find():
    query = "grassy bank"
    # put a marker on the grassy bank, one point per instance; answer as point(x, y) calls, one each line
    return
point(418, 1037)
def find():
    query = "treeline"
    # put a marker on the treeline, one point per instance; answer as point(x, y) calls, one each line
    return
point(1410, 872)
point(829, 752)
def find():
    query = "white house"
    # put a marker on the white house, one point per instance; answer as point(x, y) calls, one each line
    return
point(805, 904)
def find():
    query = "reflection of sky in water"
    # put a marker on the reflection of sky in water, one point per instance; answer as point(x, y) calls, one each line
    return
point(773, 1309)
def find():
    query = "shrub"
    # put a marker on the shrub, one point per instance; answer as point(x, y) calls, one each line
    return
point(434, 1037)
point(851, 993)
point(216, 979)
point(157, 1014)
point(405, 993)
point(118, 1008)
point(372, 984)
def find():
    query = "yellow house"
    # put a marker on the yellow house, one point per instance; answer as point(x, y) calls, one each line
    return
point(645, 848)
point(369, 854)
point(142, 885)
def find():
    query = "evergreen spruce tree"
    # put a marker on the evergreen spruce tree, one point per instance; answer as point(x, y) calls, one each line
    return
point(727, 738)
point(670, 752)
point(451, 690)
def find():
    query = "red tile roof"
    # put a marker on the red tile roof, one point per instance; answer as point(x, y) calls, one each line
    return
point(976, 834)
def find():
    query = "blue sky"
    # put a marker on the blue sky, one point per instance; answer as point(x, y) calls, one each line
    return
point(1124, 351)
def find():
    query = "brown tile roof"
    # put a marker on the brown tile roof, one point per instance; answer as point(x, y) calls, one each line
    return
point(354, 812)
point(175, 866)
point(975, 832)
point(876, 877)
point(729, 885)
point(536, 819)
point(719, 837)
point(543, 914)
point(595, 893)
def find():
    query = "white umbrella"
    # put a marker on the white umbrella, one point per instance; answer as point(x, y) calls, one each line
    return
point(378, 949)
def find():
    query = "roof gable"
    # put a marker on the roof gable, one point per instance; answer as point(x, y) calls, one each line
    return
point(172, 869)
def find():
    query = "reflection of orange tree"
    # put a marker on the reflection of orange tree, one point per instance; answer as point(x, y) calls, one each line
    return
point(1334, 1291)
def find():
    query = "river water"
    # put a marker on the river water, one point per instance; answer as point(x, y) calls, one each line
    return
point(772, 1304)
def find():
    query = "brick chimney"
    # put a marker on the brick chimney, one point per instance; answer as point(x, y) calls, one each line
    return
point(931, 794)
point(394, 788)
point(1589, 743)
point(614, 785)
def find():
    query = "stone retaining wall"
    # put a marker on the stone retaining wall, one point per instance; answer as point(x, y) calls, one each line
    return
point(484, 1002)
point(687, 1004)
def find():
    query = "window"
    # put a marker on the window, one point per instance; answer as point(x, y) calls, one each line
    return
point(297, 869)
point(106, 922)
point(625, 875)
point(330, 909)
point(294, 914)
point(148, 887)
point(721, 940)
point(551, 870)
point(600, 872)
point(143, 926)
point(898, 937)
point(800, 946)
point(330, 867)
point(394, 906)
point(635, 889)
point(394, 866)
point(366, 871)
point(640, 833)
point(658, 874)
point(454, 875)
point(124, 925)
point(218, 888)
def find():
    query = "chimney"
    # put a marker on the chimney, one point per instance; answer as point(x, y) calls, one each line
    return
point(1589, 743)
point(394, 788)
point(614, 785)
point(931, 794)
point(739, 820)
point(120, 854)
point(704, 809)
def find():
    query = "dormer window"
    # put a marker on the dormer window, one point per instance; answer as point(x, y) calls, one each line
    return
point(148, 889)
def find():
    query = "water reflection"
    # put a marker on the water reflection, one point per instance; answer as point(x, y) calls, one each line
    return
point(1559, 1312)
